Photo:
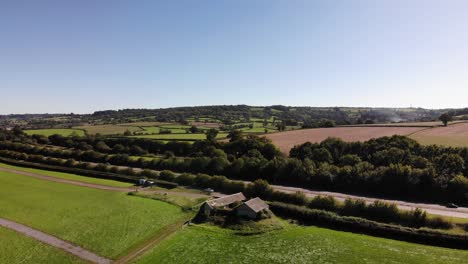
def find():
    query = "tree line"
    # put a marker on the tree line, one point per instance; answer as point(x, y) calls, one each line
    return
point(396, 167)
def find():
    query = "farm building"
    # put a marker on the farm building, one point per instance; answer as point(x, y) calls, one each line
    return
point(252, 208)
point(221, 203)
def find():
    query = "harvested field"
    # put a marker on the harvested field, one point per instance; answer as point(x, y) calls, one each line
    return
point(453, 135)
point(287, 140)
point(409, 124)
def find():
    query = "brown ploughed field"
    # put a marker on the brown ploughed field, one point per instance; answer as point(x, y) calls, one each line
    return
point(287, 140)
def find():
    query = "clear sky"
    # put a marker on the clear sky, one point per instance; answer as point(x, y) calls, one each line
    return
point(87, 55)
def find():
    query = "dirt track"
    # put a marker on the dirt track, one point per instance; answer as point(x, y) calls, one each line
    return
point(461, 212)
point(165, 233)
point(78, 183)
point(287, 140)
point(98, 186)
point(55, 242)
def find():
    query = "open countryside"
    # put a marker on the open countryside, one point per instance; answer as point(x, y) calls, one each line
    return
point(212, 132)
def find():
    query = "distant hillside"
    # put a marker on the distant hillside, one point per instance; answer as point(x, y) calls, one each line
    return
point(232, 114)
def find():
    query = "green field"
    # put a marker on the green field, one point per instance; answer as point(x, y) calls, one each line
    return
point(209, 244)
point(189, 136)
point(18, 248)
point(69, 176)
point(108, 129)
point(105, 222)
point(49, 132)
point(257, 130)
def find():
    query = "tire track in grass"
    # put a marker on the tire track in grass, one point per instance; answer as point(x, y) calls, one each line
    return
point(54, 241)
point(60, 180)
point(152, 242)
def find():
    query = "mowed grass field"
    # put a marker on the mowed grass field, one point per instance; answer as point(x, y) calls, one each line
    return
point(455, 135)
point(209, 244)
point(287, 140)
point(49, 132)
point(188, 136)
point(105, 222)
point(18, 248)
point(108, 129)
point(69, 176)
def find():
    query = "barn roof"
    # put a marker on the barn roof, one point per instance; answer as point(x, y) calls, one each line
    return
point(256, 204)
point(226, 200)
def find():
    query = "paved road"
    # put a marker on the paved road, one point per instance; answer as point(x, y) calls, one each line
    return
point(436, 209)
point(54, 241)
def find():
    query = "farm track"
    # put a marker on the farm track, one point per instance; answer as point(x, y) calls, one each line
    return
point(78, 183)
point(98, 186)
point(54, 241)
point(152, 242)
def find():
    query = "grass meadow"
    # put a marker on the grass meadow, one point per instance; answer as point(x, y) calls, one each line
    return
point(49, 132)
point(189, 136)
point(108, 129)
point(18, 248)
point(69, 176)
point(105, 222)
point(294, 244)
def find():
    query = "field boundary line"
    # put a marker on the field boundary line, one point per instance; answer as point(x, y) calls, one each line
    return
point(67, 181)
point(152, 242)
point(54, 242)
point(415, 132)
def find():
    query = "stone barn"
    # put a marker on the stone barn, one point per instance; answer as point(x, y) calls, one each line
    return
point(252, 208)
point(221, 203)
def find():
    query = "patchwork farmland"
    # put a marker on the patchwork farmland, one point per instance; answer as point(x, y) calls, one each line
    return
point(178, 168)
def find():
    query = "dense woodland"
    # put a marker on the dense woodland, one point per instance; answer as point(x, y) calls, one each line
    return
point(396, 167)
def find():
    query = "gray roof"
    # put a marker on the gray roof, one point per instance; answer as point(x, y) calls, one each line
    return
point(226, 200)
point(256, 204)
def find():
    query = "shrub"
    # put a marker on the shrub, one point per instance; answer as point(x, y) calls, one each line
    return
point(260, 188)
point(327, 203)
point(202, 180)
point(297, 198)
point(167, 175)
point(185, 179)
point(438, 223)
point(149, 173)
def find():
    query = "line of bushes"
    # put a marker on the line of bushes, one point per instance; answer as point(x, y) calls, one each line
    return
point(354, 224)
point(378, 211)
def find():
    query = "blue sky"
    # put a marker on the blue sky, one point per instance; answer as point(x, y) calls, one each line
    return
point(82, 56)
